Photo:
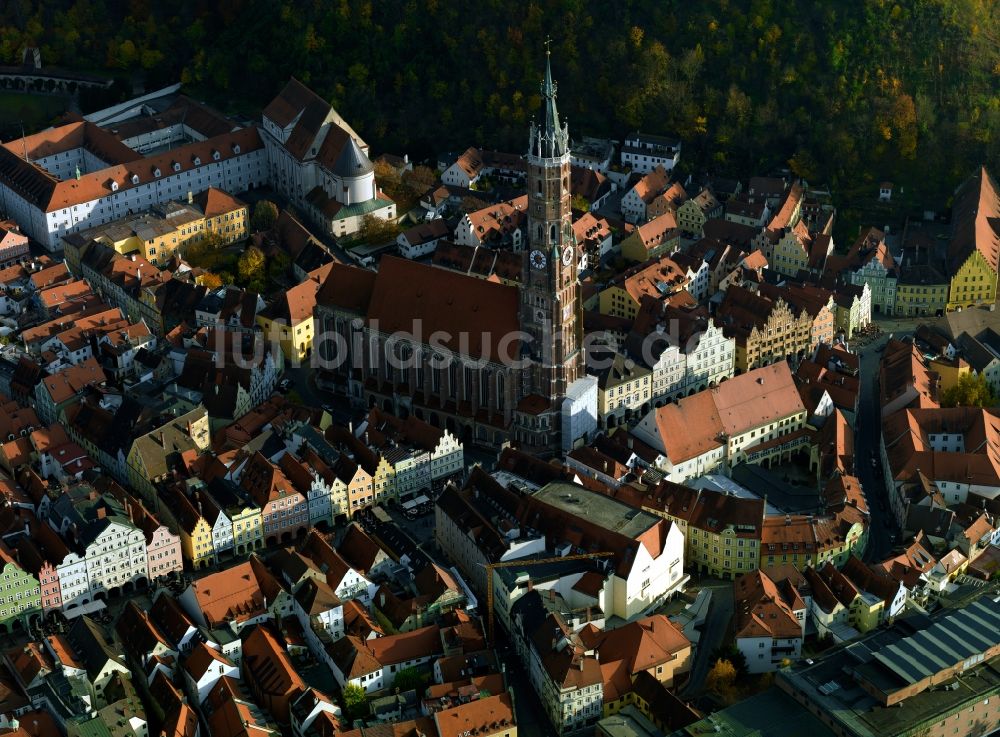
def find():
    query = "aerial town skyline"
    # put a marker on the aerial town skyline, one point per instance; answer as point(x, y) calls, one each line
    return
point(617, 430)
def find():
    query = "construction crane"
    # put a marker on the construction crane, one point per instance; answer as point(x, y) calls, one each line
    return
point(522, 563)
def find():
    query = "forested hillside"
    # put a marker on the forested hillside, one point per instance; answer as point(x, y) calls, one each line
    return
point(846, 93)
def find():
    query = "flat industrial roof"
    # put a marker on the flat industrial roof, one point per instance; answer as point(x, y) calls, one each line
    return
point(892, 658)
point(599, 509)
point(772, 713)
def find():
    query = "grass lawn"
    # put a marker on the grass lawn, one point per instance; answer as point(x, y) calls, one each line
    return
point(34, 111)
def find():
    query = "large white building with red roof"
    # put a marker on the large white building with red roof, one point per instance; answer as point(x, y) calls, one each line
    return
point(751, 417)
point(79, 175)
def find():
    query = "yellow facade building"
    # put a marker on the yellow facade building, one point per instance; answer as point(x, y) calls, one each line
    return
point(660, 279)
point(973, 283)
point(384, 480)
point(623, 387)
point(950, 370)
point(765, 330)
point(160, 232)
point(973, 254)
point(248, 528)
point(197, 545)
point(652, 239)
point(289, 321)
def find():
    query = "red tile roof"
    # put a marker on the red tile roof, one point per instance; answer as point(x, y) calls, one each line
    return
point(408, 296)
point(50, 194)
point(485, 716)
point(233, 595)
point(763, 609)
point(215, 202)
point(976, 221)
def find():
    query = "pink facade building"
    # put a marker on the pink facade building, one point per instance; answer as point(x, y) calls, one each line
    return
point(13, 243)
point(163, 549)
point(284, 509)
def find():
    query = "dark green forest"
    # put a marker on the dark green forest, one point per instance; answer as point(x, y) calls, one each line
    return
point(844, 92)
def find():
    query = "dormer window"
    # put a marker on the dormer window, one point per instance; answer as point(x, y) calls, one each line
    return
point(197, 161)
point(236, 148)
point(216, 155)
point(135, 179)
point(156, 171)
point(114, 186)
point(177, 166)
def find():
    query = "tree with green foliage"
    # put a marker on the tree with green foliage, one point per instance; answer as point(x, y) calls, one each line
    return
point(396, 186)
point(408, 679)
point(265, 213)
point(579, 202)
point(355, 702)
point(721, 678)
point(732, 654)
point(278, 266)
point(375, 230)
point(250, 269)
point(202, 251)
point(971, 390)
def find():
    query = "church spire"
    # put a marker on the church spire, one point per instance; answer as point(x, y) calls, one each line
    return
point(549, 93)
point(549, 140)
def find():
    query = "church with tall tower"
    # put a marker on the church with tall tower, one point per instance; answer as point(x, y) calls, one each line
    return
point(550, 305)
point(511, 364)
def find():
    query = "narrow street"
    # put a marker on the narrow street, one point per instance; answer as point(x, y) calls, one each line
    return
point(713, 632)
point(868, 429)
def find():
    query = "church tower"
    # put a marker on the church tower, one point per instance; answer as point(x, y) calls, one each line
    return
point(550, 310)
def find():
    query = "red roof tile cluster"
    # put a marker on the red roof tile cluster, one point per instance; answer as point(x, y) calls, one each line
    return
point(976, 222)
point(495, 222)
point(486, 716)
point(127, 168)
point(748, 401)
point(235, 594)
point(766, 608)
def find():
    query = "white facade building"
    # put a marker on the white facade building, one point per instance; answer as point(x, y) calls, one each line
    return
point(642, 152)
point(707, 360)
point(116, 557)
point(52, 193)
point(320, 162)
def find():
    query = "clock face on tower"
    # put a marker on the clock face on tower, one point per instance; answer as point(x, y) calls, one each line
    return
point(567, 255)
point(537, 259)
